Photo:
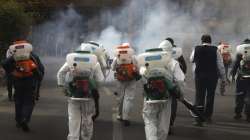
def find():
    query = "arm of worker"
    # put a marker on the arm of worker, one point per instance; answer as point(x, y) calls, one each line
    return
point(8, 65)
point(221, 67)
point(236, 65)
point(8, 53)
point(61, 74)
point(179, 78)
point(114, 64)
point(38, 62)
point(98, 75)
point(137, 73)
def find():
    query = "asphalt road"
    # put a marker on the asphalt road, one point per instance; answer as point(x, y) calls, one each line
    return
point(49, 120)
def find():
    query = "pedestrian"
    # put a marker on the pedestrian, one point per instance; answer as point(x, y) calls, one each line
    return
point(208, 68)
point(162, 77)
point(176, 52)
point(226, 53)
point(81, 76)
point(38, 81)
point(102, 57)
point(241, 68)
point(24, 72)
point(126, 71)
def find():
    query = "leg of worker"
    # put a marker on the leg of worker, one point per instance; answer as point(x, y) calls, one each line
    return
point(74, 112)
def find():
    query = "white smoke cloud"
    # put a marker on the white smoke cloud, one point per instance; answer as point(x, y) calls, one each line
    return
point(109, 38)
point(60, 35)
point(145, 23)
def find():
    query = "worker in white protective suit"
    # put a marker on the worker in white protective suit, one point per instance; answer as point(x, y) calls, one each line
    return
point(103, 59)
point(102, 55)
point(81, 75)
point(161, 77)
point(126, 73)
point(176, 53)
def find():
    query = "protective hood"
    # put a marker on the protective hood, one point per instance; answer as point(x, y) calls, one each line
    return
point(166, 45)
point(91, 48)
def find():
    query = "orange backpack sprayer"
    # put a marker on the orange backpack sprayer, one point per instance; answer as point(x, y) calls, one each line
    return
point(21, 51)
point(126, 70)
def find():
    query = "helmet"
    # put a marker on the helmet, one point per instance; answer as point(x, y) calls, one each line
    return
point(166, 45)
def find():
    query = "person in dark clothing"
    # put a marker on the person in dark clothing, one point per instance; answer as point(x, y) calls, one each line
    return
point(209, 67)
point(242, 100)
point(24, 80)
point(41, 68)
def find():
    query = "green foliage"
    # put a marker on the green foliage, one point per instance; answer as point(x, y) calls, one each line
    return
point(14, 22)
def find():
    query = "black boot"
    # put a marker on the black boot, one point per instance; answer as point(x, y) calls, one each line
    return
point(18, 125)
point(248, 119)
point(170, 131)
point(126, 123)
point(25, 127)
point(237, 117)
point(198, 122)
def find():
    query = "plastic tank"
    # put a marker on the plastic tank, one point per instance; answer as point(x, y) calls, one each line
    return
point(124, 54)
point(81, 61)
point(241, 49)
point(21, 51)
point(154, 58)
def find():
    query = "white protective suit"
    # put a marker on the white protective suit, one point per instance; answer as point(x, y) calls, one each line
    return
point(176, 52)
point(100, 52)
point(80, 112)
point(126, 93)
point(157, 115)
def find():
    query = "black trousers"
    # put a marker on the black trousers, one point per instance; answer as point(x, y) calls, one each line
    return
point(173, 110)
point(24, 104)
point(242, 101)
point(205, 91)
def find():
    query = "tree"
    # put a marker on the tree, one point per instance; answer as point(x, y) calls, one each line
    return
point(14, 22)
